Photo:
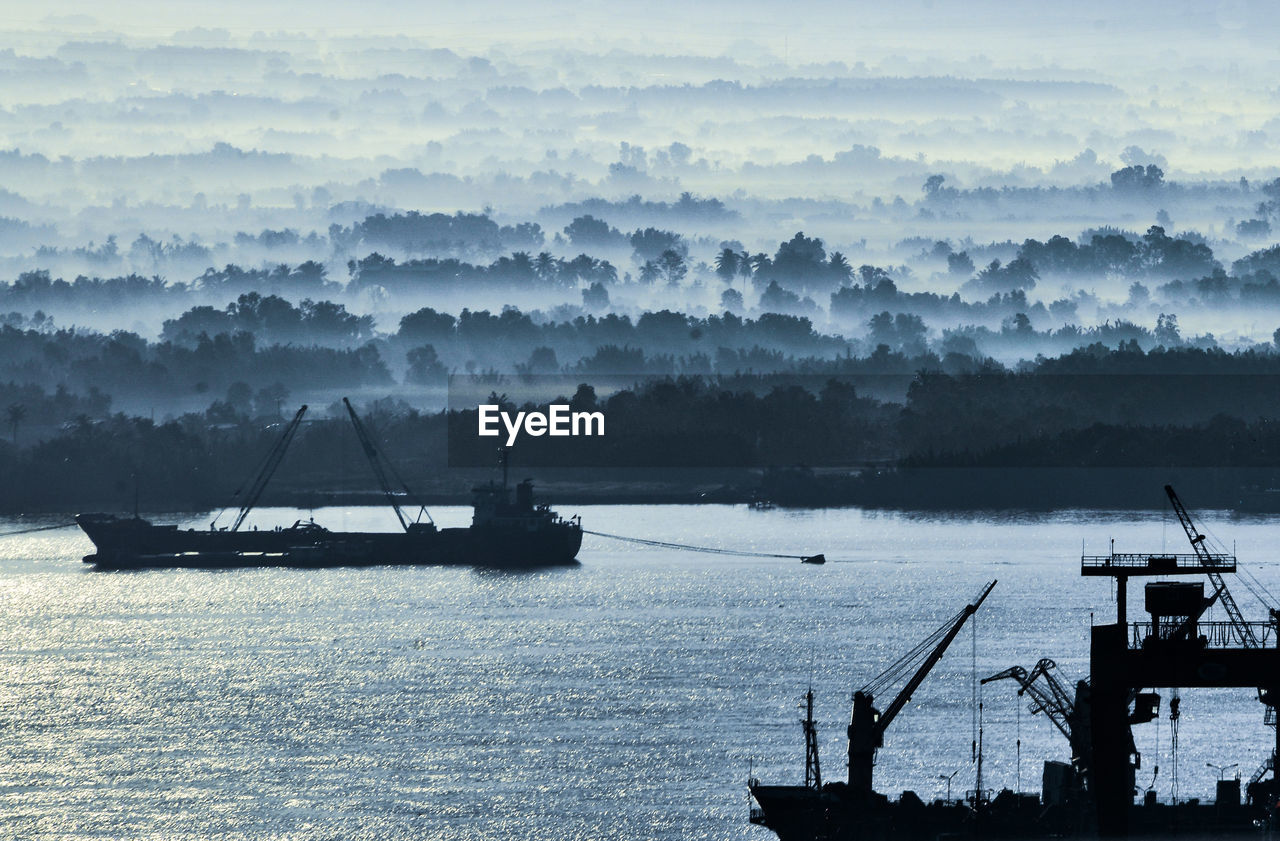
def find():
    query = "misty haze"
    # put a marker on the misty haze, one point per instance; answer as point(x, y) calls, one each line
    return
point(802, 324)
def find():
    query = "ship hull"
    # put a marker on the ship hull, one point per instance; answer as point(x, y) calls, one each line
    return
point(133, 543)
point(800, 813)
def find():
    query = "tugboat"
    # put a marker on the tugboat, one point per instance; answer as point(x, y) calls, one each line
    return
point(502, 533)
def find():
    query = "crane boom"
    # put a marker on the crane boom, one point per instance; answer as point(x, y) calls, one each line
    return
point(375, 461)
point(1220, 591)
point(868, 725)
point(1062, 700)
point(268, 469)
point(1056, 702)
point(900, 701)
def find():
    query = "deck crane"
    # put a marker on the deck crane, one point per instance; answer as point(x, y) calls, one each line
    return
point(267, 470)
point(376, 459)
point(1220, 592)
point(868, 725)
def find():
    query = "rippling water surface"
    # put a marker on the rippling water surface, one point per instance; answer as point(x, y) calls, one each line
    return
point(623, 697)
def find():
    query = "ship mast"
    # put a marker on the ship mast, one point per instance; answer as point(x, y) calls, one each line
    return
point(812, 770)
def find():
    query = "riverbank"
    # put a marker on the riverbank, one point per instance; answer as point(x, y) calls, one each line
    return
point(902, 489)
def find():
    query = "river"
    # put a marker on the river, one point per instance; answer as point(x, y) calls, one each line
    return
point(626, 696)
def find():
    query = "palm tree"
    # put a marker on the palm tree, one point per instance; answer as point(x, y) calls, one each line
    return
point(522, 264)
point(744, 269)
point(840, 268)
point(727, 264)
point(544, 265)
point(16, 414)
point(650, 272)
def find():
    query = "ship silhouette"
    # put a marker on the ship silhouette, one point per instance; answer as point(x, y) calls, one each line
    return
point(504, 531)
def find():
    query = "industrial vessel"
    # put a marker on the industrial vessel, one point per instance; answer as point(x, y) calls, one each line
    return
point(1092, 792)
point(504, 531)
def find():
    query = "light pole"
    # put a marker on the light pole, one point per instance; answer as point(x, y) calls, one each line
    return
point(1222, 769)
point(948, 777)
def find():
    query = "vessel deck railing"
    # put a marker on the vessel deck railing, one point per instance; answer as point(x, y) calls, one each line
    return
point(1149, 563)
point(1214, 634)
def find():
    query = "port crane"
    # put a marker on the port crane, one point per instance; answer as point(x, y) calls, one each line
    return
point(1175, 648)
point(1048, 695)
point(1069, 711)
point(868, 724)
point(1243, 630)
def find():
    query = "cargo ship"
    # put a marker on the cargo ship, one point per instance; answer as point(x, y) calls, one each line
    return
point(1092, 794)
point(504, 531)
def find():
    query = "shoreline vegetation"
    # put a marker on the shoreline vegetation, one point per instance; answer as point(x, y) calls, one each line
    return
point(1095, 428)
point(959, 490)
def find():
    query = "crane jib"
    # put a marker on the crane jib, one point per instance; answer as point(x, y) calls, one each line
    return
point(272, 461)
point(1220, 592)
point(948, 633)
point(376, 459)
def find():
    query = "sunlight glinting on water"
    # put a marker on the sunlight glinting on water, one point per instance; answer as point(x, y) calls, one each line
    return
point(628, 691)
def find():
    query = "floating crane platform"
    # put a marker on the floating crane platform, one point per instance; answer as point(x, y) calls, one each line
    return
point(503, 532)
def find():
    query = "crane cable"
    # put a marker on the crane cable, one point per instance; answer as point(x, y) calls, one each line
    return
point(973, 691)
point(1251, 586)
point(909, 662)
point(36, 529)
point(1155, 773)
point(1174, 716)
point(1018, 707)
point(691, 548)
point(1246, 577)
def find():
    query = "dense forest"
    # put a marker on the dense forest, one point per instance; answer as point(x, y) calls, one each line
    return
point(881, 383)
point(1094, 412)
